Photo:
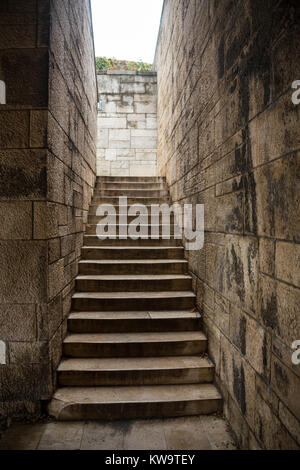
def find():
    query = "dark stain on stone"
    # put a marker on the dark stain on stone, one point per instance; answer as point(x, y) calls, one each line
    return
point(265, 352)
point(251, 252)
point(235, 218)
point(237, 272)
point(240, 158)
point(281, 378)
point(239, 388)
point(243, 325)
point(17, 182)
point(269, 312)
point(221, 58)
point(120, 426)
point(250, 203)
point(221, 272)
point(233, 87)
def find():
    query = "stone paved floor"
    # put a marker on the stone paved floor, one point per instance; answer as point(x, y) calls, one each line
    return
point(187, 433)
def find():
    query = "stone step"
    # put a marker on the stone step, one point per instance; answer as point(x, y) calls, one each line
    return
point(95, 301)
point(130, 193)
point(132, 252)
point(130, 185)
point(95, 219)
point(114, 200)
point(135, 321)
point(93, 240)
point(164, 266)
point(144, 229)
point(132, 402)
point(135, 371)
point(99, 345)
point(130, 179)
point(133, 282)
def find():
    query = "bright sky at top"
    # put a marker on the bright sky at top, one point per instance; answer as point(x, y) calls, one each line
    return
point(126, 29)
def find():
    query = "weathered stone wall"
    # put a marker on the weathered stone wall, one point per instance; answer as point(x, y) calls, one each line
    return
point(127, 124)
point(47, 173)
point(228, 137)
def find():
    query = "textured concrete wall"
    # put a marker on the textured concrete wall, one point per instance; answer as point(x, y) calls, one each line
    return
point(47, 172)
point(127, 125)
point(228, 137)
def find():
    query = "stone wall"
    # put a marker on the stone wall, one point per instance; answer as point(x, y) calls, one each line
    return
point(127, 125)
point(228, 137)
point(47, 173)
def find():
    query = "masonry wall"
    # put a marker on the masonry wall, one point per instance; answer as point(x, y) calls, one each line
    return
point(127, 124)
point(228, 137)
point(47, 173)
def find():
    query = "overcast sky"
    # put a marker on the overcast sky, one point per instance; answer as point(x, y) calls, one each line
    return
point(126, 29)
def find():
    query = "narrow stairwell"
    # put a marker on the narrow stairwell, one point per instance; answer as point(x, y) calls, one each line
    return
point(134, 348)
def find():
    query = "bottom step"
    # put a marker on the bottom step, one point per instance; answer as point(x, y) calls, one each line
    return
point(116, 403)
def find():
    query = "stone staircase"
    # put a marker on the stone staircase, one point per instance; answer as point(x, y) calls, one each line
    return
point(134, 348)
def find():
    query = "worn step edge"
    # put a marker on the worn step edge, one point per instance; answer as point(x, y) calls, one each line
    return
point(76, 403)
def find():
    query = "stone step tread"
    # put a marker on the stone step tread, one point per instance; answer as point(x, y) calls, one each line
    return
point(133, 295)
point(129, 178)
point(133, 261)
point(134, 184)
point(134, 363)
point(127, 277)
point(138, 394)
point(132, 247)
point(134, 315)
point(103, 189)
point(128, 224)
point(158, 238)
point(117, 338)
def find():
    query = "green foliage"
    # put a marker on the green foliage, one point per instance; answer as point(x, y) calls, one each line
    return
point(103, 63)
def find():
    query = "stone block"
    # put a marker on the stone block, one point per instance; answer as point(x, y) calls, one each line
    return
point(108, 84)
point(102, 141)
point(286, 384)
point(273, 437)
point(136, 169)
point(144, 142)
point(25, 281)
point(38, 129)
point(23, 174)
point(279, 308)
point(28, 353)
point(110, 154)
point(18, 322)
point(112, 123)
point(241, 277)
point(53, 250)
point(45, 220)
point(290, 422)
point(118, 135)
point(14, 127)
point(144, 107)
point(17, 36)
point(276, 216)
point(281, 124)
point(31, 88)
point(56, 280)
point(151, 123)
point(288, 262)
point(16, 220)
point(267, 256)
point(128, 88)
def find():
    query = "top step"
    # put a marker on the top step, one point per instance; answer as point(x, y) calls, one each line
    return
point(130, 179)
